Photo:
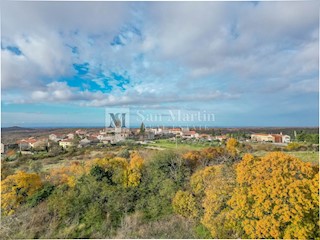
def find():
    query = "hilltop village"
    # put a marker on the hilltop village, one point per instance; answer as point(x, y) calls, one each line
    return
point(82, 138)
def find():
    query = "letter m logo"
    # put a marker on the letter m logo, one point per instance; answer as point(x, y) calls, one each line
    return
point(117, 120)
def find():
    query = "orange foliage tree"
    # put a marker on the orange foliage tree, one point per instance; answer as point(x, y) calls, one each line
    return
point(204, 157)
point(67, 174)
point(16, 188)
point(276, 197)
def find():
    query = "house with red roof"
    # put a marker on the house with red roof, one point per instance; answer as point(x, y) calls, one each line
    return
point(275, 138)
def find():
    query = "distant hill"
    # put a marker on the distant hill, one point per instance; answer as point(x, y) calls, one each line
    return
point(15, 129)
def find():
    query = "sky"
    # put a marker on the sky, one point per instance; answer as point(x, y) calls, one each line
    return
point(245, 63)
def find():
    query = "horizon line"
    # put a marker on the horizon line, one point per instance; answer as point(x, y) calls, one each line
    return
point(159, 126)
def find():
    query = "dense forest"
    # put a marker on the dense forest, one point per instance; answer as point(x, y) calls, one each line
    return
point(216, 192)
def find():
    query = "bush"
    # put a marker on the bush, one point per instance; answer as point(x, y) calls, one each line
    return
point(124, 154)
point(40, 195)
point(99, 173)
point(202, 232)
point(163, 176)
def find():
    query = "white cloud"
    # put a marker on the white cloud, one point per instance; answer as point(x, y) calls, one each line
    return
point(54, 92)
point(185, 48)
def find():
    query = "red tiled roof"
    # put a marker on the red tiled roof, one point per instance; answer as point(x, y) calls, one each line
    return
point(29, 140)
point(189, 132)
point(92, 138)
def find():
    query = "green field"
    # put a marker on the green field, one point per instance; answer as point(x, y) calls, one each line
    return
point(306, 156)
point(166, 144)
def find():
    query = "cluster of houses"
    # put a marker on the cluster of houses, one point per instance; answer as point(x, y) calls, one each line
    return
point(32, 142)
point(82, 138)
point(274, 138)
point(185, 133)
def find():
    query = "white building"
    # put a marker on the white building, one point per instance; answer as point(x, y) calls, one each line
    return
point(66, 143)
point(2, 148)
point(56, 137)
point(176, 131)
point(190, 134)
point(70, 136)
point(275, 138)
point(84, 142)
point(221, 138)
point(286, 138)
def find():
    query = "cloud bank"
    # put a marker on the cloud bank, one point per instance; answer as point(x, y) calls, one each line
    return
point(183, 54)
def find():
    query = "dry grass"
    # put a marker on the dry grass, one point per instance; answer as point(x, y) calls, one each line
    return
point(170, 227)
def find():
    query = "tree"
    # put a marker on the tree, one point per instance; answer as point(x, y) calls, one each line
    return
point(184, 203)
point(200, 180)
point(293, 146)
point(76, 139)
point(161, 178)
point(142, 128)
point(67, 174)
point(100, 174)
point(219, 182)
point(15, 190)
point(203, 158)
point(40, 195)
point(276, 197)
point(231, 146)
point(134, 169)
point(124, 153)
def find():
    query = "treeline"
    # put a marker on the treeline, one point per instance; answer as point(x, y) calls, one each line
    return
point(247, 131)
point(214, 193)
point(308, 137)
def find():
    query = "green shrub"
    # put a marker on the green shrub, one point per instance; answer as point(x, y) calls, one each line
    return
point(124, 153)
point(40, 195)
point(202, 232)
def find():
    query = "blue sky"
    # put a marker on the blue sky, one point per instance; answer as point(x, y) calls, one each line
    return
point(249, 64)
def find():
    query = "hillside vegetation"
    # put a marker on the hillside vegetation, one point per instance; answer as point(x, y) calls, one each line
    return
point(213, 192)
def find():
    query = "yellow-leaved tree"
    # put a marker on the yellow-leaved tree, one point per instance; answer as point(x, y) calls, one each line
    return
point(134, 169)
point(231, 146)
point(276, 197)
point(16, 188)
point(201, 179)
point(67, 174)
point(119, 170)
point(184, 203)
point(218, 184)
point(210, 190)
